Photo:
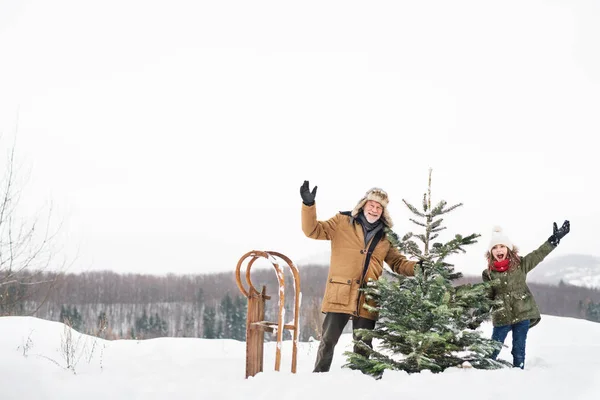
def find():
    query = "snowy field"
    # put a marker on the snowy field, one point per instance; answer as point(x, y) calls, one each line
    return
point(563, 361)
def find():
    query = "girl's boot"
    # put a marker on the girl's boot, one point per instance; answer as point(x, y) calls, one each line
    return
point(519, 363)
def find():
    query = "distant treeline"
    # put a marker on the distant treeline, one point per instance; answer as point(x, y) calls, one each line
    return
point(136, 306)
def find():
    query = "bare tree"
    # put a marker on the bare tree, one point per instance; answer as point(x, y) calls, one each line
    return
point(26, 249)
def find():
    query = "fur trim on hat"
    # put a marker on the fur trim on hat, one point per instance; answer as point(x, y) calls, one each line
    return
point(380, 196)
point(498, 237)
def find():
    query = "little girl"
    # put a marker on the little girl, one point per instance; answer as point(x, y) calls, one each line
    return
point(519, 311)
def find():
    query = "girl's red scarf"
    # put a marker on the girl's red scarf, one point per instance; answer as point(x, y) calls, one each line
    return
point(501, 266)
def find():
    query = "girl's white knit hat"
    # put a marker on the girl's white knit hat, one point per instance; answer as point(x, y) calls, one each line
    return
point(498, 237)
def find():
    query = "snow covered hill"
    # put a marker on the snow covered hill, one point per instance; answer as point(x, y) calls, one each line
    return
point(574, 269)
point(562, 362)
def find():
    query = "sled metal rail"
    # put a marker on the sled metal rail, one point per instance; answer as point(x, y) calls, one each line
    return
point(256, 326)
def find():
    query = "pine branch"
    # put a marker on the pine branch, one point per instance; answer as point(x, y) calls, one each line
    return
point(438, 209)
point(452, 208)
point(413, 209)
point(421, 237)
point(417, 222)
point(436, 224)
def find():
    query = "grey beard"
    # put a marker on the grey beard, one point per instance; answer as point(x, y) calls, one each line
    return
point(366, 224)
point(369, 229)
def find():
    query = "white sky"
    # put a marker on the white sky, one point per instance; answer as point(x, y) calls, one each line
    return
point(561, 363)
point(174, 136)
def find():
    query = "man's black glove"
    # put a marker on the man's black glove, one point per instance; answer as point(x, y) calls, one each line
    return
point(308, 197)
point(418, 267)
point(559, 233)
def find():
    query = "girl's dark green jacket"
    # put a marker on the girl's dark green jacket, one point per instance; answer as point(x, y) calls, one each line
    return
point(512, 290)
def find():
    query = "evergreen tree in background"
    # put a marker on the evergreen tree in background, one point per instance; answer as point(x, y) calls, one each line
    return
point(425, 322)
point(227, 316)
point(69, 315)
point(150, 327)
point(189, 325)
point(232, 317)
point(238, 331)
point(158, 327)
point(592, 310)
point(142, 324)
point(208, 323)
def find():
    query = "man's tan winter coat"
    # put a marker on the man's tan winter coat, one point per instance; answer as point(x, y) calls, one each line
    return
point(348, 259)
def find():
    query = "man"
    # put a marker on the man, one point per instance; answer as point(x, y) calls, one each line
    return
point(359, 247)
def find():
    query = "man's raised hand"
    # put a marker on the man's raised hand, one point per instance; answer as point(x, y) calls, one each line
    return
point(308, 197)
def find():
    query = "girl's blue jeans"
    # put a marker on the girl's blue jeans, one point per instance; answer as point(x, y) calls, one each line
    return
point(519, 337)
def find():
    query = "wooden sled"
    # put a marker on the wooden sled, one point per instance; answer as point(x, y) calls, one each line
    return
point(256, 326)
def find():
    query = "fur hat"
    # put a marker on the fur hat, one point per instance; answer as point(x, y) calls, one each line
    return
point(498, 237)
point(380, 196)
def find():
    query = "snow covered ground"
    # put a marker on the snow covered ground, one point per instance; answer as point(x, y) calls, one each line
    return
point(563, 361)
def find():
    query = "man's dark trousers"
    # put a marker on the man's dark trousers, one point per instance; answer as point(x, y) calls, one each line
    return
point(333, 326)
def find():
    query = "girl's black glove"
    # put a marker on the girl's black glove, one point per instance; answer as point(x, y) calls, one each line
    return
point(559, 233)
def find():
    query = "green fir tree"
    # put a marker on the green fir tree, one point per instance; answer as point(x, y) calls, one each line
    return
point(69, 315)
point(426, 322)
point(209, 321)
point(592, 311)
